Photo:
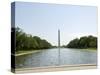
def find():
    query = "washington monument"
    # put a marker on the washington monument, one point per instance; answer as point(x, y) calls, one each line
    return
point(58, 38)
point(58, 47)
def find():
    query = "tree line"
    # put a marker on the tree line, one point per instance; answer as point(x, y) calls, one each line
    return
point(83, 42)
point(28, 42)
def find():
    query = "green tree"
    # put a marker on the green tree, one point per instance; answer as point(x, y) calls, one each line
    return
point(28, 42)
point(73, 43)
point(83, 42)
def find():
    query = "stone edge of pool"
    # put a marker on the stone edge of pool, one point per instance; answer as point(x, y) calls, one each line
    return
point(55, 68)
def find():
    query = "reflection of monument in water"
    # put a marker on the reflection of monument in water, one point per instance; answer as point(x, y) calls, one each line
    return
point(58, 46)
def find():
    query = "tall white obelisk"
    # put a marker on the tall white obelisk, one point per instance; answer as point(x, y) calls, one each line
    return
point(58, 38)
point(58, 46)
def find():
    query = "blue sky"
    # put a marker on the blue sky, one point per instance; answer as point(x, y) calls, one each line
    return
point(44, 20)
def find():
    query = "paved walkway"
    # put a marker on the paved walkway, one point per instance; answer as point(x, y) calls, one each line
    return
point(56, 68)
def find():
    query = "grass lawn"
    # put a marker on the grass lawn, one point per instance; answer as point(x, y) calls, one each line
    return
point(19, 53)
